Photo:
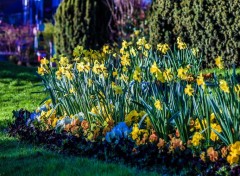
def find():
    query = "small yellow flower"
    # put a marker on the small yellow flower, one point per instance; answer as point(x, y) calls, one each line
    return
point(44, 61)
point(137, 74)
point(213, 136)
point(163, 48)
point(200, 80)
point(115, 73)
point(124, 77)
point(41, 71)
point(189, 90)
point(197, 137)
point(154, 69)
point(195, 51)
point(63, 61)
point(223, 86)
point(106, 49)
point(181, 44)
point(182, 73)
point(159, 76)
point(147, 46)
point(218, 62)
point(125, 60)
point(167, 75)
point(117, 89)
point(158, 105)
point(133, 52)
point(136, 32)
point(72, 90)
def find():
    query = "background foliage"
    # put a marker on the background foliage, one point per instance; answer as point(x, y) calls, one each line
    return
point(80, 23)
point(210, 25)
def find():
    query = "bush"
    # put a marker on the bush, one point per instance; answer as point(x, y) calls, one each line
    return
point(80, 23)
point(210, 25)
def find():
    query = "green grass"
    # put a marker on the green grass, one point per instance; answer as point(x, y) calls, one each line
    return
point(19, 158)
point(16, 87)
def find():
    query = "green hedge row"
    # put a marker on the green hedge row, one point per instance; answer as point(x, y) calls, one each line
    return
point(213, 26)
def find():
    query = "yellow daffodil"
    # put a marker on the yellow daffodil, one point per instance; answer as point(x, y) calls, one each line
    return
point(218, 62)
point(181, 44)
point(182, 73)
point(158, 105)
point(125, 60)
point(159, 76)
point(44, 61)
point(223, 86)
point(163, 48)
point(137, 74)
point(154, 69)
point(63, 61)
point(200, 81)
point(213, 136)
point(147, 46)
point(189, 90)
point(167, 74)
point(41, 71)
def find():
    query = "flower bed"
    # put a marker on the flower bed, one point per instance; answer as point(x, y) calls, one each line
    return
point(139, 105)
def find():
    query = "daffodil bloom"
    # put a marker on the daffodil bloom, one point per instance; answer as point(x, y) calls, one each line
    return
point(200, 80)
point(124, 77)
point(44, 61)
point(72, 90)
point(182, 73)
point(189, 90)
point(218, 62)
point(136, 32)
point(137, 74)
point(125, 60)
point(213, 136)
point(154, 69)
point(133, 52)
point(80, 67)
point(63, 61)
point(106, 49)
point(223, 86)
point(141, 41)
point(181, 44)
point(115, 73)
point(41, 71)
point(69, 75)
point(163, 48)
point(124, 44)
point(147, 46)
point(158, 105)
point(90, 82)
point(145, 53)
point(195, 51)
point(167, 74)
point(59, 74)
point(159, 76)
point(117, 89)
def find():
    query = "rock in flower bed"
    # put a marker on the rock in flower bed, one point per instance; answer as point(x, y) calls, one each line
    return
point(152, 108)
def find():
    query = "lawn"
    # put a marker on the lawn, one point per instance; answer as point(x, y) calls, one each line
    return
point(18, 158)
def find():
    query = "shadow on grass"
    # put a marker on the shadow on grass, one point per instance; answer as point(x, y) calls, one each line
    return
point(12, 71)
point(18, 158)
